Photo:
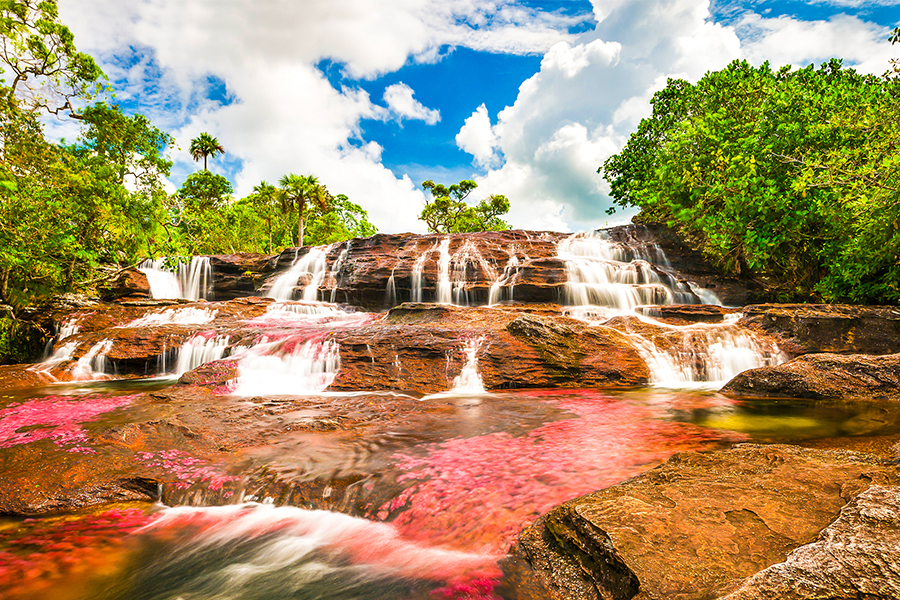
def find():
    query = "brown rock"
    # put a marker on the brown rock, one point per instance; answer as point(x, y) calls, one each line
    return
point(684, 314)
point(822, 376)
point(130, 283)
point(857, 556)
point(692, 527)
point(838, 328)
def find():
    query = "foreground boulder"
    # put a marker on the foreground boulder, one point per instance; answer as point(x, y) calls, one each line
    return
point(694, 526)
point(857, 556)
point(822, 376)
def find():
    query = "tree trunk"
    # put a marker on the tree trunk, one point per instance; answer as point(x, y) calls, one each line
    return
point(204, 163)
point(4, 285)
point(300, 222)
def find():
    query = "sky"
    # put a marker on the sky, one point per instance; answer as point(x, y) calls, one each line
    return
point(526, 97)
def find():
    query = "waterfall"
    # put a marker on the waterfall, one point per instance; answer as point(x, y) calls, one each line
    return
point(269, 369)
point(469, 381)
point(706, 356)
point(443, 290)
point(61, 355)
point(199, 350)
point(504, 281)
point(390, 292)
point(189, 281)
point(180, 316)
point(313, 266)
point(68, 329)
point(602, 272)
point(336, 270)
point(93, 364)
point(417, 274)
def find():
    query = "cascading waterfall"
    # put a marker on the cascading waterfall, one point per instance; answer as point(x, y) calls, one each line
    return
point(92, 365)
point(505, 282)
point(443, 289)
point(68, 329)
point(287, 367)
point(336, 270)
point(181, 316)
point(390, 292)
point(469, 380)
point(602, 272)
point(189, 281)
point(417, 274)
point(313, 266)
point(199, 350)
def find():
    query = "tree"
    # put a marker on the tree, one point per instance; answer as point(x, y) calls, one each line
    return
point(793, 175)
point(449, 213)
point(204, 191)
point(264, 198)
point(204, 146)
point(296, 191)
point(341, 220)
point(39, 52)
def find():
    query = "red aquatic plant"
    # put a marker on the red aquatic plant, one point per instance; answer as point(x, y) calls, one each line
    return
point(187, 469)
point(57, 418)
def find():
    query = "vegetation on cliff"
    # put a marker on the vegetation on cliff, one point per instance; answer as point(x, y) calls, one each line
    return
point(790, 173)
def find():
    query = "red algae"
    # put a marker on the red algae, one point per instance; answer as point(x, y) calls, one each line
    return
point(187, 469)
point(478, 493)
point(57, 418)
point(40, 551)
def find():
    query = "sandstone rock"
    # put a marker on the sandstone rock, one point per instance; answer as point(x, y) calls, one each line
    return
point(420, 348)
point(238, 275)
point(857, 556)
point(684, 314)
point(838, 328)
point(692, 527)
point(822, 376)
point(127, 284)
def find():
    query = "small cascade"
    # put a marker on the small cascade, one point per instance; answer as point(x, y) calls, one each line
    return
point(336, 270)
point(707, 356)
point(199, 350)
point(92, 365)
point(417, 278)
point(602, 272)
point(469, 381)
point(313, 266)
point(163, 283)
point(503, 286)
point(188, 281)
point(390, 292)
point(287, 368)
point(443, 290)
point(68, 329)
point(62, 354)
point(180, 316)
point(195, 278)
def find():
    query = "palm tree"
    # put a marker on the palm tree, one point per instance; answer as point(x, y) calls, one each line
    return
point(205, 146)
point(264, 196)
point(298, 189)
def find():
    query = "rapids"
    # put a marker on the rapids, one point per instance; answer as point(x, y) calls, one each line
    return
point(272, 479)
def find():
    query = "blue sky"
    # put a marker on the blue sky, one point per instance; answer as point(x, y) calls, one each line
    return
point(528, 97)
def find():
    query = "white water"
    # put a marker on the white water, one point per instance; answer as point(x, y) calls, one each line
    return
point(189, 281)
point(179, 316)
point(267, 370)
point(505, 282)
point(469, 380)
point(311, 265)
point(92, 365)
point(255, 551)
point(602, 272)
point(336, 270)
point(443, 289)
point(68, 329)
point(61, 355)
point(199, 350)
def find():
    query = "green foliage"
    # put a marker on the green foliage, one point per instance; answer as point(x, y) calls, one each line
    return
point(205, 146)
point(39, 52)
point(20, 341)
point(791, 173)
point(341, 221)
point(449, 213)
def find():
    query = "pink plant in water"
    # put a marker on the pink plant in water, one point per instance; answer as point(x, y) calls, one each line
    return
point(478, 493)
point(57, 418)
point(40, 550)
point(187, 469)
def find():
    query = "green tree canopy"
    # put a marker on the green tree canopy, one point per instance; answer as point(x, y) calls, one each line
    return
point(789, 174)
point(205, 146)
point(296, 191)
point(447, 212)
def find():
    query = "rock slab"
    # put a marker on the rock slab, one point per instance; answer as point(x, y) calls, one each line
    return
point(820, 376)
point(691, 528)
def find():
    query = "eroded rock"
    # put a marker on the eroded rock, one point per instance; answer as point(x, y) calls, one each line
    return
point(692, 527)
point(857, 556)
point(822, 376)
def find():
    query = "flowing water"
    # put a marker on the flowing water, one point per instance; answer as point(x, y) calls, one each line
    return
point(190, 281)
point(403, 496)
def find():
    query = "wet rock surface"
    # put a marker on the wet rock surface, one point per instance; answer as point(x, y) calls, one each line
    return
point(856, 556)
point(698, 524)
point(837, 328)
point(823, 376)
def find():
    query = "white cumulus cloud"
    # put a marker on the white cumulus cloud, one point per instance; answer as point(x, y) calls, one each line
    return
point(478, 138)
point(400, 102)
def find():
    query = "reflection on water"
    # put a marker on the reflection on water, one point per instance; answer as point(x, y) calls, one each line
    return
point(452, 488)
